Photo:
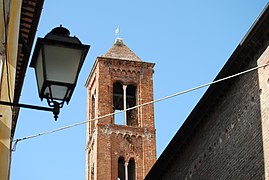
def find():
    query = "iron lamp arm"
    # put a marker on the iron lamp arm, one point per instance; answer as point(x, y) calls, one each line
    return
point(55, 109)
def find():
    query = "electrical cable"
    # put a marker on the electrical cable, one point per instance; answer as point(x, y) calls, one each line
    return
point(144, 104)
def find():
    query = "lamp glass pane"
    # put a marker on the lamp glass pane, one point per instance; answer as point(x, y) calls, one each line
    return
point(39, 71)
point(62, 63)
point(58, 92)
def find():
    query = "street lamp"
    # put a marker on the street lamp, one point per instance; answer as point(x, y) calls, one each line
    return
point(57, 60)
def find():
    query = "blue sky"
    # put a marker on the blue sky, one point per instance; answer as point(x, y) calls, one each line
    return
point(189, 41)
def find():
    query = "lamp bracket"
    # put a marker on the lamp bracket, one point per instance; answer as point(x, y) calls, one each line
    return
point(55, 109)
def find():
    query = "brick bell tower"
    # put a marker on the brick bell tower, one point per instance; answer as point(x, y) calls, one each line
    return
point(122, 146)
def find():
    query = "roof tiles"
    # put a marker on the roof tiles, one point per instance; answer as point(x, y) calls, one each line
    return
point(120, 51)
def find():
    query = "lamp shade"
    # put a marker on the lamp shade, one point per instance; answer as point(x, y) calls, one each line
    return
point(57, 60)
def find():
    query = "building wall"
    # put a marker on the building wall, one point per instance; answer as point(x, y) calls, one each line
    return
point(115, 141)
point(7, 83)
point(264, 103)
point(228, 142)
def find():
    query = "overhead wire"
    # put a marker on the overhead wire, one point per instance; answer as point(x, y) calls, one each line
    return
point(140, 105)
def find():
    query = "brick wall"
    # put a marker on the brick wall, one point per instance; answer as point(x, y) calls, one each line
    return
point(107, 142)
point(227, 143)
point(116, 141)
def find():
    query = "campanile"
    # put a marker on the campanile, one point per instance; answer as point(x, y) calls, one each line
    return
point(121, 146)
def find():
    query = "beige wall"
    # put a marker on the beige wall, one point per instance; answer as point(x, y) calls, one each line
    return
point(7, 93)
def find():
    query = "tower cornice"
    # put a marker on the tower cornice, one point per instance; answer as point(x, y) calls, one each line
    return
point(116, 62)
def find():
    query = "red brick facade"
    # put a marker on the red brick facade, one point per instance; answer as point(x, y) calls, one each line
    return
point(108, 142)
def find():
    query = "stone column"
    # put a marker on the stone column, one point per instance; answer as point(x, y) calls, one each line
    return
point(124, 104)
point(126, 170)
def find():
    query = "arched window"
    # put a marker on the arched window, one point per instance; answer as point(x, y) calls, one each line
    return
point(131, 169)
point(124, 97)
point(121, 170)
point(93, 107)
point(131, 102)
point(92, 111)
point(118, 103)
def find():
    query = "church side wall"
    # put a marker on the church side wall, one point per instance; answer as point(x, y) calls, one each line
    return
point(227, 144)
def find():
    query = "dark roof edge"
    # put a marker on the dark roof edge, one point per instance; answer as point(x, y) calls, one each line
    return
point(29, 45)
point(231, 67)
point(254, 24)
